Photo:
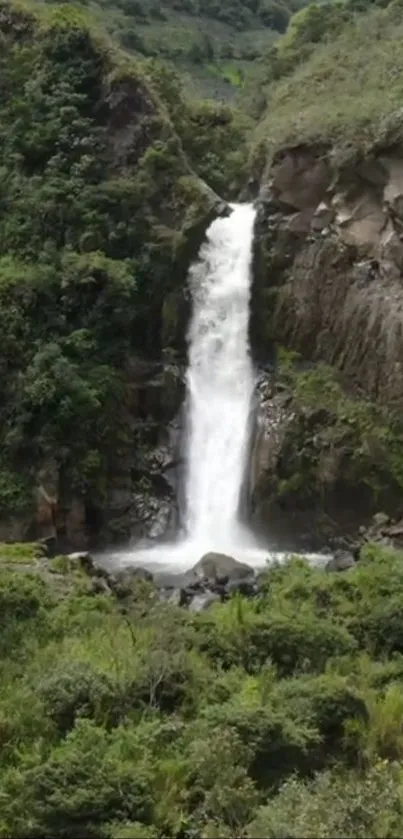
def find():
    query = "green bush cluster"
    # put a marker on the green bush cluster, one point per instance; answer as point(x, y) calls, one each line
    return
point(278, 716)
point(336, 442)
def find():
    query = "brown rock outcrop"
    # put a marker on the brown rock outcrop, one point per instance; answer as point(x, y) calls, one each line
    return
point(329, 266)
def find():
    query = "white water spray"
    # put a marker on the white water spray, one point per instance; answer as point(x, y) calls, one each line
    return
point(220, 381)
point(220, 386)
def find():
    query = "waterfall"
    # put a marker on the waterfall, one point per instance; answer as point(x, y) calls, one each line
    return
point(220, 381)
point(220, 391)
point(219, 401)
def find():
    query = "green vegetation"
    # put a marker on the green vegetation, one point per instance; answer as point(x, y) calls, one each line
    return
point(202, 39)
point(329, 92)
point(100, 213)
point(121, 715)
point(336, 443)
point(277, 716)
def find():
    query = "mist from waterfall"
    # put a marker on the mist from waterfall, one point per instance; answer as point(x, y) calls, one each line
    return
point(218, 409)
point(220, 382)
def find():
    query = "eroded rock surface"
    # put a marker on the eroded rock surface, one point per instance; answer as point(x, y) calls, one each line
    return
point(329, 265)
point(220, 568)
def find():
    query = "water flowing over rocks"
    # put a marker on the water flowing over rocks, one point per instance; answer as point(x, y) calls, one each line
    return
point(217, 416)
point(217, 577)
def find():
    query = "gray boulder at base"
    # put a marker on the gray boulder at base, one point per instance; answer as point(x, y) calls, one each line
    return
point(247, 587)
point(84, 560)
point(220, 568)
point(123, 580)
point(203, 601)
point(341, 561)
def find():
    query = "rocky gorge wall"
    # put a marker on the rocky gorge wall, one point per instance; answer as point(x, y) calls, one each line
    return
point(328, 285)
point(330, 267)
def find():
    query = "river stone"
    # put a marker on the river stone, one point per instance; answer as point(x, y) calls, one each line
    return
point(202, 601)
point(123, 580)
point(247, 587)
point(341, 561)
point(83, 560)
point(220, 568)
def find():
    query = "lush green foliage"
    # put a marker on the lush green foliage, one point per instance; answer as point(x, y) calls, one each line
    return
point(279, 716)
point(212, 41)
point(100, 212)
point(326, 90)
point(336, 443)
point(212, 135)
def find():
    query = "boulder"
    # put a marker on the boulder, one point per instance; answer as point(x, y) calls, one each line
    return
point(122, 581)
point(203, 601)
point(220, 568)
point(341, 561)
point(247, 587)
point(84, 560)
point(300, 178)
point(384, 531)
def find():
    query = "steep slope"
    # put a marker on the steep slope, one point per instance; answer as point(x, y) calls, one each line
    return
point(211, 44)
point(334, 139)
point(100, 213)
point(329, 260)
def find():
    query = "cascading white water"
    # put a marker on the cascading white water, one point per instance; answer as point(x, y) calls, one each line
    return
point(220, 381)
point(220, 386)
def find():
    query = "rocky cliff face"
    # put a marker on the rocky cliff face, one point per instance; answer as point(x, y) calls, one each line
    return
point(330, 265)
point(328, 284)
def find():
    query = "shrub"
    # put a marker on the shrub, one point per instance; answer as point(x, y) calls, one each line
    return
point(74, 690)
point(330, 704)
point(277, 744)
point(335, 805)
point(23, 598)
point(87, 782)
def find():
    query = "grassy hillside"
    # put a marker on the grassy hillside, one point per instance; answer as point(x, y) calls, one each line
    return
point(346, 90)
point(212, 43)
